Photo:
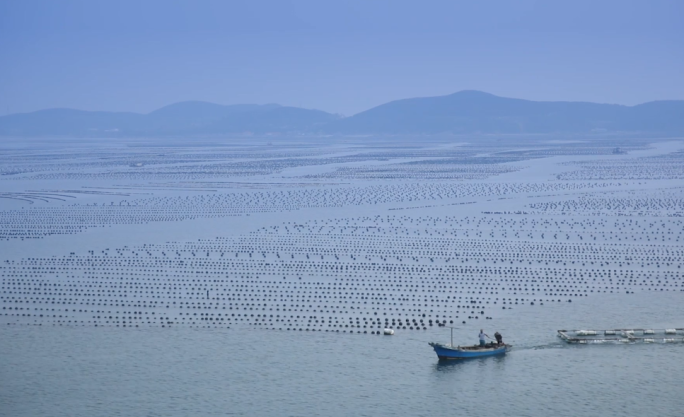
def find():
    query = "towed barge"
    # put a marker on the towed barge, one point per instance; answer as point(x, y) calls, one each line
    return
point(582, 337)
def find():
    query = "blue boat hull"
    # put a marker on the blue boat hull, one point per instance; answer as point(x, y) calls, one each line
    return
point(446, 352)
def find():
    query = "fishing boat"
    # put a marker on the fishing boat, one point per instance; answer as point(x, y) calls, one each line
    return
point(450, 351)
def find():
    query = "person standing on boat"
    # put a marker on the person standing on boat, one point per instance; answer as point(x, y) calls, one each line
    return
point(483, 341)
point(499, 338)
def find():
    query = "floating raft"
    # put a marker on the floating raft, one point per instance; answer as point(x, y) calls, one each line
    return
point(675, 335)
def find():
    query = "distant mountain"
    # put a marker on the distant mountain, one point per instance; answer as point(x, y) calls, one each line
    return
point(185, 118)
point(276, 119)
point(464, 112)
point(657, 116)
point(475, 111)
point(190, 115)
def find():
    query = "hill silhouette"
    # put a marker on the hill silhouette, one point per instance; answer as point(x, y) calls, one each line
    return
point(475, 111)
point(186, 118)
point(464, 112)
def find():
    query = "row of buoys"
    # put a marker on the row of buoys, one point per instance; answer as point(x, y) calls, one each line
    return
point(43, 221)
point(415, 267)
point(661, 167)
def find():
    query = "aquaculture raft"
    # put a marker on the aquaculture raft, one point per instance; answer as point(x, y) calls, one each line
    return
point(675, 335)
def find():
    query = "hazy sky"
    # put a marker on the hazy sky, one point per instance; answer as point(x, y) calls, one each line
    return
point(339, 56)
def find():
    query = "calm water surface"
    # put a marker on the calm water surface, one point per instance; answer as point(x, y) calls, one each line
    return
point(62, 371)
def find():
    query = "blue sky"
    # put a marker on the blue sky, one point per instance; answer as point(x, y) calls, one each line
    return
point(338, 56)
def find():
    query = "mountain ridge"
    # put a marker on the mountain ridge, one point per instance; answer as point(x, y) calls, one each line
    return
point(463, 112)
point(183, 118)
point(472, 111)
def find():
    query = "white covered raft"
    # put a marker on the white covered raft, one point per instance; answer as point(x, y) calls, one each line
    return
point(622, 336)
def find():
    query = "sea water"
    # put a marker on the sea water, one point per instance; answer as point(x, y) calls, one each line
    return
point(64, 365)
